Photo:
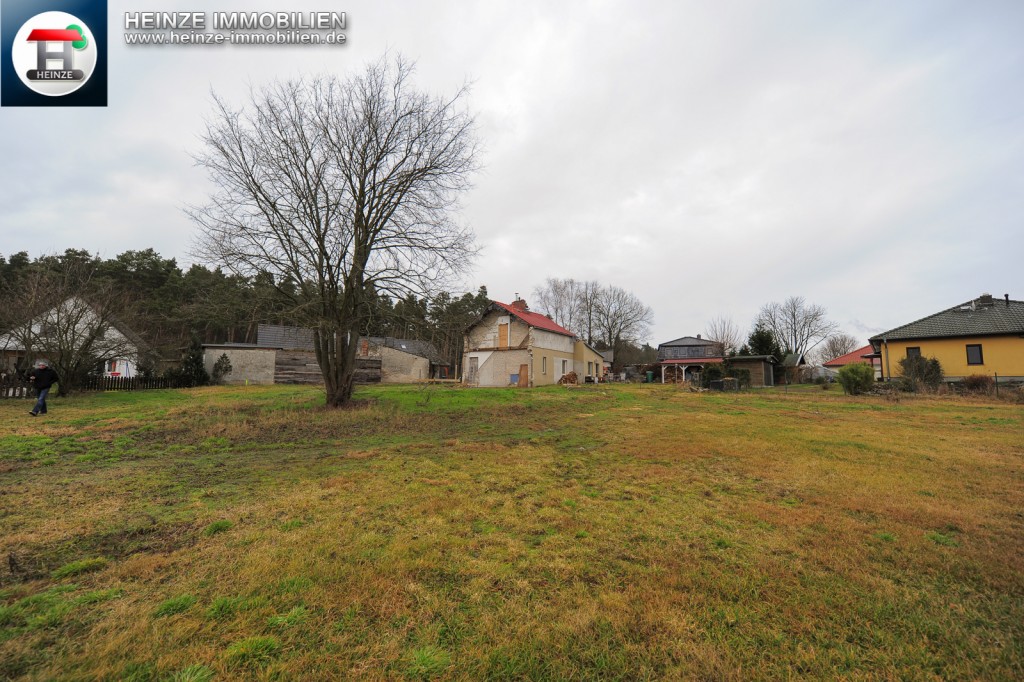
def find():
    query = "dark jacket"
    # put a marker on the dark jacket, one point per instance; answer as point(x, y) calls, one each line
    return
point(43, 377)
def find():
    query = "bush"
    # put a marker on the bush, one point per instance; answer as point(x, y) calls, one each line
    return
point(192, 371)
point(920, 373)
point(711, 373)
point(221, 369)
point(977, 383)
point(857, 378)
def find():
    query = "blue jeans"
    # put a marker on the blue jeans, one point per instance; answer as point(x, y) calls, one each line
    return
point(40, 407)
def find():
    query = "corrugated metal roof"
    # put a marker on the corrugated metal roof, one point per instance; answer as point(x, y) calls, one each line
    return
point(966, 319)
point(288, 338)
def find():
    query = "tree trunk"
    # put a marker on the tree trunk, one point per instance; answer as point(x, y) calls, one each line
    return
point(336, 355)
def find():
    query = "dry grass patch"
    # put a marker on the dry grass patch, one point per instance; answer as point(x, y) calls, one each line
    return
point(623, 533)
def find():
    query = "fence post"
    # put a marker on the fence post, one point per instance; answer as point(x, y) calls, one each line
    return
point(997, 384)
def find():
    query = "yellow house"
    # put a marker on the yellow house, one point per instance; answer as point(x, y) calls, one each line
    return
point(513, 346)
point(587, 362)
point(983, 336)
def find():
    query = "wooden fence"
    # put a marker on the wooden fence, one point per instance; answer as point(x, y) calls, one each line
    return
point(15, 387)
point(126, 383)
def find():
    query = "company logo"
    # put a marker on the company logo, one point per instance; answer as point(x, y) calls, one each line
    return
point(54, 53)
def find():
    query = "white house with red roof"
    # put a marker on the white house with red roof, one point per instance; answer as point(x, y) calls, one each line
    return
point(509, 345)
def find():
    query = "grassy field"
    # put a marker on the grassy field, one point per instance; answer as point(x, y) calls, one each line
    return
point(628, 532)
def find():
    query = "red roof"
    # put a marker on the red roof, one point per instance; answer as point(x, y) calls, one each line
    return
point(54, 35)
point(693, 361)
point(851, 357)
point(535, 319)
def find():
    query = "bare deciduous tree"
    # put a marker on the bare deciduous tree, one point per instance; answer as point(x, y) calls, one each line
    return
point(68, 319)
point(621, 316)
point(726, 335)
point(560, 298)
point(593, 312)
point(799, 326)
point(337, 185)
point(836, 345)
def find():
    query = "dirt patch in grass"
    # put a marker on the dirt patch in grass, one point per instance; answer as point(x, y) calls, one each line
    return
point(32, 562)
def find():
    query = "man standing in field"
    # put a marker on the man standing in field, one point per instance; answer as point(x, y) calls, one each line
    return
point(42, 378)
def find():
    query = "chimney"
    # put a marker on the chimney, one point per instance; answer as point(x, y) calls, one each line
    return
point(1007, 300)
point(519, 304)
point(985, 300)
point(698, 337)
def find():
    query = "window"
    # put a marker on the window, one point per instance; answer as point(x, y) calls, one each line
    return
point(914, 352)
point(974, 354)
point(111, 365)
point(590, 369)
point(543, 364)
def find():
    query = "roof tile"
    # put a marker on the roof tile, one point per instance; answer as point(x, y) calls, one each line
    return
point(966, 319)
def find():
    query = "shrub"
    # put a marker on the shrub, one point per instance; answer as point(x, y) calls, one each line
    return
point(977, 383)
point(857, 378)
point(221, 369)
point(192, 371)
point(711, 373)
point(920, 373)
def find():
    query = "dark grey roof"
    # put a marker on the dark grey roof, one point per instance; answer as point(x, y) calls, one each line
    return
point(972, 318)
point(687, 341)
point(423, 349)
point(747, 358)
point(793, 360)
point(280, 336)
point(231, 344)
point(301, 338)
point(608, 355)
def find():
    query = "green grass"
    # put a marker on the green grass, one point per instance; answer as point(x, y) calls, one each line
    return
point(252, 652)
point(174, 605)
point(217, 527)
point(620, 532)
point(81, 566)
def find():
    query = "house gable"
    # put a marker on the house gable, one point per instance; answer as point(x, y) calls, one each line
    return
point(688, 347)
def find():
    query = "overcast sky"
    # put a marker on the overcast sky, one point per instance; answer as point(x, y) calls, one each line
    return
point(707, 156)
